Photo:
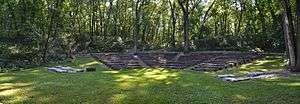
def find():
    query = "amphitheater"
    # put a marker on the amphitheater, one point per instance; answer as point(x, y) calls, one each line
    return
point(198, 61)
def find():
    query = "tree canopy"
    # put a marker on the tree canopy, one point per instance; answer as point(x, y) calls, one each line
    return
point(47, 28)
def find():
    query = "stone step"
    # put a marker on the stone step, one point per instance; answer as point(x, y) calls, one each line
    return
point(133, 65)
point(211, 68)
point(203, 69)
point(114, 62)
point(116, 65)
point(203, 61)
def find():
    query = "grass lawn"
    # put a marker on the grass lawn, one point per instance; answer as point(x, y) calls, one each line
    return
point(148, 86)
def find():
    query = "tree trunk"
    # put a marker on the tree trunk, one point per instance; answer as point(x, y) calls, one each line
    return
point(136, 27)
point(240, 18)
point(54, 14)
point(46, 45)
point(184, 4)
point(205, 17)
point(186, 31)
point(173, 43)
point(298, 36)
point(137, 6)
point(92, 24)
point(289, 32)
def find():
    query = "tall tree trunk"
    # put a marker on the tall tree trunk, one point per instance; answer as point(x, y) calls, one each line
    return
point(298, 36)
point(46, 44)
point(184, 4)
point(136, 28)
point(173, 41)
point(143, 36)
point(186, 31)
point(240, 17)
point(138, 4)
point(92, 24)
point(205, 17)
point(289, 33)
point(54, 14)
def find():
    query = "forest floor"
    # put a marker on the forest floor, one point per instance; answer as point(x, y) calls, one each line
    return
point(148, 85)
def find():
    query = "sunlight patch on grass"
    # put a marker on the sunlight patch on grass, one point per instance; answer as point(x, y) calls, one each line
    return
point(145, 76)
point(239, 98)
point(14, 84)
point(110, 72)
point(36, 71)
point(156, 77)
point(263, 70)
point(3, 79)
point(158, 74)
point(19, 99)
point(262, 62)
point(17, 92)
point(46, 99)
point(273, 78)
point(243, 72)
point(263, 65)
point(168, 82)
point(295, 84)
point(117, 98)
point(89, 64)
point(9, 92)
point(125, 78)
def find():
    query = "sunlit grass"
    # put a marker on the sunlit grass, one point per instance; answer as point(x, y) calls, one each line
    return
point(296, 84)
point(147, 86)
point(89, 64)
point(270, 63)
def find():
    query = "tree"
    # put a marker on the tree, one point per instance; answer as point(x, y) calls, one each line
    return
point(55, 12)
point(186, 9)
point(298, 35)
point(173, 16)
point(138, 6)
point(289, 33)
point(206, 16)
point(59, 28)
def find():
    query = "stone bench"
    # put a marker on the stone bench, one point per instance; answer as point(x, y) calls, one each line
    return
point(60, 69)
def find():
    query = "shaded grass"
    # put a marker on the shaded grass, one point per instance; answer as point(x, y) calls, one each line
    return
point(147, 86)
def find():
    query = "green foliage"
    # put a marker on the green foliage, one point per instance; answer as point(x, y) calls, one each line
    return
point(36, 29)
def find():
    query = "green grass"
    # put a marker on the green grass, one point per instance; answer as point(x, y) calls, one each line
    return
point(147, 86)
point(270, 63)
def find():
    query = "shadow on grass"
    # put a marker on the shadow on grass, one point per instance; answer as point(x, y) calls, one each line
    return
point(139, 86)
point(104, 86)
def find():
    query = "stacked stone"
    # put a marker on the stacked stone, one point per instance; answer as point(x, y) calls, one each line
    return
point(199, 61)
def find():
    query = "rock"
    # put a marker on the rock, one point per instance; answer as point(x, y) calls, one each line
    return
point(74, 70)
point(254, 74)
point(226, 75)
point(265, 76)
point(60, 69)
point(232, 79)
